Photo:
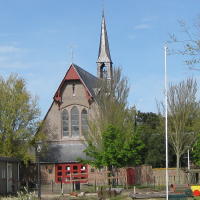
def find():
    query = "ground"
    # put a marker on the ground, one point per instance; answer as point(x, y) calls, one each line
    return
point(123, 196)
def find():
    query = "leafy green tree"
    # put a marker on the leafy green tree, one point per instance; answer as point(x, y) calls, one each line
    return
point(113, 140)
point(19, 114)
point(152, 136)
point(195, 151)
point(117, 150)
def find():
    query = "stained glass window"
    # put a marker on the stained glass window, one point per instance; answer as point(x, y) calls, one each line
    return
point(75, 121)
point(84, 121)
point(65, 123)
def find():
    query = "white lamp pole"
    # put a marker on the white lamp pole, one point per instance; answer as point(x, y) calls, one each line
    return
point(188, 158)
point(39, 148)
point(166, 124)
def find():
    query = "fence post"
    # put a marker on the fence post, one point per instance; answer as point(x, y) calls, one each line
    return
point(51, 185)
point(61, 186)
point(71, 182)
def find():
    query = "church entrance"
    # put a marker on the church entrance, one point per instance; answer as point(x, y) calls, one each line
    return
point(71, 173)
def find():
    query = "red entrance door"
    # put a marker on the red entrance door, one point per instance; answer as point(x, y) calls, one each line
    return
point(67, 173)
point(130, 176)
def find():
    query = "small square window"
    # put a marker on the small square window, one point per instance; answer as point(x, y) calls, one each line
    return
point(59, 173)
point(59, 167)
point(75, 167)
point(67, 168)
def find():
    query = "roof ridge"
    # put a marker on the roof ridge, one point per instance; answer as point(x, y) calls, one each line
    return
point(76, 66)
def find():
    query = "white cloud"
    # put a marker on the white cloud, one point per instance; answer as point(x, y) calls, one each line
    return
point(9, 49)
point(142, 26)
point(11, 57)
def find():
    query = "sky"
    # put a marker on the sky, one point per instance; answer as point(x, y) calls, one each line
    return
point(37, 38)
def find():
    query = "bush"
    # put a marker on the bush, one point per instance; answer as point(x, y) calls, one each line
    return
point(23, 196)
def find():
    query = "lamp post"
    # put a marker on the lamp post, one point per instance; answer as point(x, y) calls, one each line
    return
point(39, 148)
point(188, 161)
point(188, 152)
point(166, 124)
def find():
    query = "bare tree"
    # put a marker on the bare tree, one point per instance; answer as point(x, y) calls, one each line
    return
point(187, 43)
point(113, 141)
point(183, 115)
point(110, 107)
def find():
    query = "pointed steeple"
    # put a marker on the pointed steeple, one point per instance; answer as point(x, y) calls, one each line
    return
point(104, 52)
point(104, 61)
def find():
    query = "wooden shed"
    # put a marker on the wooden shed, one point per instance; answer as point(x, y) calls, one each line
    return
point(9, 175)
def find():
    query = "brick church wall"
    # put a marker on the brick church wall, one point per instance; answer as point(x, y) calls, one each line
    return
point(47, 173)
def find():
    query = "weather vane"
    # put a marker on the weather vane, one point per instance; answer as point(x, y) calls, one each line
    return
point(102, 6)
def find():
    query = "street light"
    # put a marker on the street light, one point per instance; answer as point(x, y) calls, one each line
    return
point(188, 152)
point(166, 125)
point(39, 148)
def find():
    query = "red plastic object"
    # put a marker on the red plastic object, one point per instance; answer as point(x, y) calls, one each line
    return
point(196, 193)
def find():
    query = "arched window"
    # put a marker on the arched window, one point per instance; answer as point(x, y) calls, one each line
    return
point(84, 121)
point(103, 73)
point(65, 123)
point(75, 121)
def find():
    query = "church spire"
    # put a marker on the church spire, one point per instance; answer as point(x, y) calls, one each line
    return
point(104, 62)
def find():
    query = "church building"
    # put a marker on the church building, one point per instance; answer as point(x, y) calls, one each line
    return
point(67, 118)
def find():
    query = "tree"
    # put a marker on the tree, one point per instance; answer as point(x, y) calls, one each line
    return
point(183, 116)
point(112, 140)
point(148, 124)
point(19, 114)
point(188, 44)
point(195, 156)
point(117, 151)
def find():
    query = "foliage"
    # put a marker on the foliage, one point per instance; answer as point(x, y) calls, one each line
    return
point(195, 151)
point(152, 136)
point(19, 114)
point(113, 140)
point(22, 196)
point(183, 116)
point(188, 43)
point(118, 149)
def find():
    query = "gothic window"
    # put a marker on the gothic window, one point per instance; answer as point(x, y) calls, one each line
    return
point(84, 121)
point(75, 121)
point(65, 123)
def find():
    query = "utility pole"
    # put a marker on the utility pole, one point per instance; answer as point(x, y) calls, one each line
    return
point(166, 124)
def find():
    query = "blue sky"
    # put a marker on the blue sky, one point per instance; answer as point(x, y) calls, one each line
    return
point(36, 38)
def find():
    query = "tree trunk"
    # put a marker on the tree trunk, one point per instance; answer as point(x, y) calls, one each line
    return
point(178, 167)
